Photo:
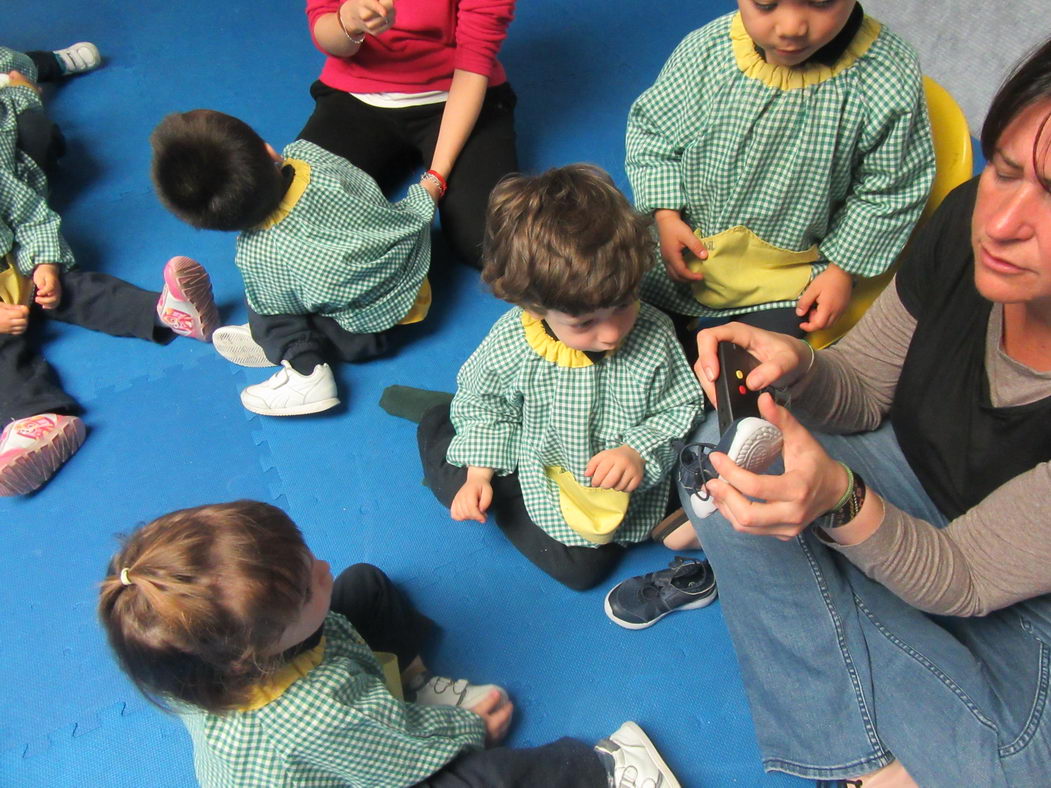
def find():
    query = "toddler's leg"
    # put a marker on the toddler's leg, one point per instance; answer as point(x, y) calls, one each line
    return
point(380, 612)
point(350, 347)
point(75, 59)
point(578, 568)
point(566, 763)
point(781, 321)
point(105, 303)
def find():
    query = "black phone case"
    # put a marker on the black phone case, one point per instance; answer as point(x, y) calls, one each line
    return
point(735, 401)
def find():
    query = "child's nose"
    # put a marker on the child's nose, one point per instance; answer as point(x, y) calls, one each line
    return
point(791, 25)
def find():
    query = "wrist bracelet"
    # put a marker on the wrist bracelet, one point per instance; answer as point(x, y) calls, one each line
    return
point(438, 180)
point(358, 39)
point(810, 366)
point(849, 504)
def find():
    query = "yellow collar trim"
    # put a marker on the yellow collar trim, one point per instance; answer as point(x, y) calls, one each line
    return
point(794, 77)
point(549, 348)
point(288, 675)
point(295, 191)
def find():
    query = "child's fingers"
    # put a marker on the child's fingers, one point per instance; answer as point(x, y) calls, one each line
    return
point(806, 301)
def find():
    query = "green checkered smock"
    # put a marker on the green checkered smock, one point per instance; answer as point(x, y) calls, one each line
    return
point(845, 162)
point(341, 249)
point(336, 726)
point(515, 410)
point(28, 227)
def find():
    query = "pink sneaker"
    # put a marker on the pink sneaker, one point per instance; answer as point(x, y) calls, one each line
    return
point(186, 305)
point(32, 449)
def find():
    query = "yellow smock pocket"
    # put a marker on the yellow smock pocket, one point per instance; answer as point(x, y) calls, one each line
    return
point(593, 512)
point(14, 288)
point(420, 307)
point(744, 270)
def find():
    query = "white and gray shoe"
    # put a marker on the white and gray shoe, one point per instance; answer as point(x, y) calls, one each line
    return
point(751, 442)
point(429, 690)
point(632, 761)
point(79, 57)
point(288, 393)
point(235, 344)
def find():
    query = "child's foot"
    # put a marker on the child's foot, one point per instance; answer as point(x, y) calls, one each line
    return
point(288, 393)
point(186, 305)
point(429, 690)
point(78, 58)
point(642, 601)
point(32, 449)
point(411, 403)
point(632, 761)
point(235, 343)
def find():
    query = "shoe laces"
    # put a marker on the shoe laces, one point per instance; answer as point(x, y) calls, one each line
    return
point(695, 470)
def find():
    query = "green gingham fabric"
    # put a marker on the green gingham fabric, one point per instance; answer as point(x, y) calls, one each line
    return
point(336, 726)
point(27, 225)
point(344, 251)
point(516, 411)
point(846, 164)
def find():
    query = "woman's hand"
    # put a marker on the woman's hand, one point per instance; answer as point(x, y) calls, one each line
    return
point(812, 483)
point(782, 359)
point(675, 235)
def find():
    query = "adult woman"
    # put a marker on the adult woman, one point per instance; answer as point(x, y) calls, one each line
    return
point(846, 674)
point(418, 81)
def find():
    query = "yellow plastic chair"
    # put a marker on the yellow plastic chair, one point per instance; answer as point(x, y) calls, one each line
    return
point(954, 164)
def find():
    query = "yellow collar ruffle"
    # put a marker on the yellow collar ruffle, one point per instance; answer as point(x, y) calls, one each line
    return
point(289, 674)
point(295, 190)
point(794, 77)
point(549, 348)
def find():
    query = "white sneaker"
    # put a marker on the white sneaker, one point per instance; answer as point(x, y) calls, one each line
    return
point(32, 449)
point(428, 690)
point(751, 442)
point(235, 343)
point(632, 761)
point(287, 393)
point(80, 57)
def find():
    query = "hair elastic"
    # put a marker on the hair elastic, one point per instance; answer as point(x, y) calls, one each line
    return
point(124, 579)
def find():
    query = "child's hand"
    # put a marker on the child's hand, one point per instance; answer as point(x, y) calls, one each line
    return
point(432, 188)
point(48, 285)
point(368, 16)
point(496, 713)
point(15, 78)
point(675, 235)
point(825, 298)
point(618, 469)
point(14, 318)
point(473, 499)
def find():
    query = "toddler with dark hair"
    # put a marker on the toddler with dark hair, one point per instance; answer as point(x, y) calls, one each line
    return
point(564, 418)
point(330, 266)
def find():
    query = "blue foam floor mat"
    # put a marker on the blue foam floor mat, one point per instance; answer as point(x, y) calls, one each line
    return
point(166, 429)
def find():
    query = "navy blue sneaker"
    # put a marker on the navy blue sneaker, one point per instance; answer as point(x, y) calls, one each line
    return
point(751, 442)
point(642, 601)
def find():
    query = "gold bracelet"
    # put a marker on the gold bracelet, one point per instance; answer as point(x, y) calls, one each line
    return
point(359, 39)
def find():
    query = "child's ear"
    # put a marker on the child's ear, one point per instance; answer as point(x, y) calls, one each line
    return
point(273, 154)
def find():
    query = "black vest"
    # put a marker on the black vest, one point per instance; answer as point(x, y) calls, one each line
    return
point(957, 443)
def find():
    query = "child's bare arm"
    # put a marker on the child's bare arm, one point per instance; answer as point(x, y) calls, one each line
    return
point(48, 285)
point(621, 469)
point(825, 298)
point(14, 318)
point(473, 499)
point(675, 235)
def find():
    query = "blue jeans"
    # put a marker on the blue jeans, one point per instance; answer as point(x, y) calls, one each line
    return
point(842, 676)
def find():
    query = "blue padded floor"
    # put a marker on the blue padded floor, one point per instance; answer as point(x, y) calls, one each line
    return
point(166, 429)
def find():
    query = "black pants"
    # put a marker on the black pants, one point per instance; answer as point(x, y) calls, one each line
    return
point(38, 137)
point(385, 617)
point(579, 568)
point(389, 144)
point(313, 339)
point(28, 385)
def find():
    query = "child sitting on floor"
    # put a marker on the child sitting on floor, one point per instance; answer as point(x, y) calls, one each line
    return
point(222, 614)
point(38, 279)
point(564, 417)
point(330, 267)
point(787, 147)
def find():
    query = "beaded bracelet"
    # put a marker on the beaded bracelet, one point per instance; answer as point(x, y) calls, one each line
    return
point(436, 178)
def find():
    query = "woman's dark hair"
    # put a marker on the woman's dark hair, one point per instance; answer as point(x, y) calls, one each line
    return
point(213, 171)
point(195, 601)
point(1028, 84)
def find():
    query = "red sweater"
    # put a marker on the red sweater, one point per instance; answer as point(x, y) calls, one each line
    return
point(429, 40)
